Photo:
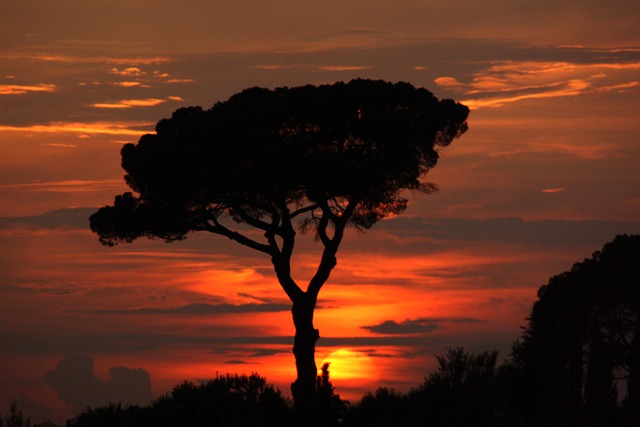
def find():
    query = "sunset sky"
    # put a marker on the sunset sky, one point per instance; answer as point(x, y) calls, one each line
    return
point(548, 172)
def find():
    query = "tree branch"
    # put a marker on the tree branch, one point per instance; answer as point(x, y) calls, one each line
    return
point(212, 225)
point(331, 244)
point(282, 267)
point(327, 263)
point(322, 230)
point(254, 222)
point(282, 259)
point(287, 232)
point(303, 210)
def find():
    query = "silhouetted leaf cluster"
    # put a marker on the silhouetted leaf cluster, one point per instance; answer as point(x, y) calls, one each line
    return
point(263, 150)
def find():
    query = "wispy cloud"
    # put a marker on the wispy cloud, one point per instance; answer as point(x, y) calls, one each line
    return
point(569, 88)
point(275, 66)
point(138, 77)
point(31, 55)
point(129, 103)
point(253, 297)
point(61, 145)
point(128, 72)
point(504, 82)
point(22, 89)
point(129, 84)
point(176, 80)
point(414, 326)
point(168, 78)
point(67, 186)
point(91, 128)
point(202, 309)
point(320, 67)
point(552, 190)
point(343, 67)
point(622, 87)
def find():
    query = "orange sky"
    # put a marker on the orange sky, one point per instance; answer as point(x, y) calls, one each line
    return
point(546, 174)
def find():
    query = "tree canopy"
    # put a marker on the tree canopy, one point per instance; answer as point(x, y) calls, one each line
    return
point(267, 156)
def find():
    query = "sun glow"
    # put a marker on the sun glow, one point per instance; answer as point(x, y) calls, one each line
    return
point(349, 364)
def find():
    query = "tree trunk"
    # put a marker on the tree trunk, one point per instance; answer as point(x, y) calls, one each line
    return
point(633, 383)
point(599, 401)
point(304, 347)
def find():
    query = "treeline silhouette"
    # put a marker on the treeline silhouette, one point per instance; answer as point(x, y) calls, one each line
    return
point(576, 363)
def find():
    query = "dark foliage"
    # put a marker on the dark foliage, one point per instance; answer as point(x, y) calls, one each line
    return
point(229, 400)
point(260, 151)
point(462, 392)
point(582, 339)
point(226, 401)
point(15, 418)
point(384, 407)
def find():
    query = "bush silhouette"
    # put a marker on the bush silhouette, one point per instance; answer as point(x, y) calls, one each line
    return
point(227, 401)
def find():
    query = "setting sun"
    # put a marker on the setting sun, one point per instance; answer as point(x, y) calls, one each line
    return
point(349, 365)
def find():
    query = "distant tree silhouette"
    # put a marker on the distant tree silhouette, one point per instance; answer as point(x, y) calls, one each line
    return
point(15, 418)
point(329, 409)
point(461, 392)
point(384, 407)
point(225, 401)
point(228, 400)
point(323, 157)
point(582, 337)
point(115, 415)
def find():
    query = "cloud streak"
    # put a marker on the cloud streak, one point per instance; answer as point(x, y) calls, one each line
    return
point(88, 128)
point(199, 309)
point(504, 82)
point(66, 186)
point(414, 326)
point(129, 103)
point(22, 89)
point(36, 55)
